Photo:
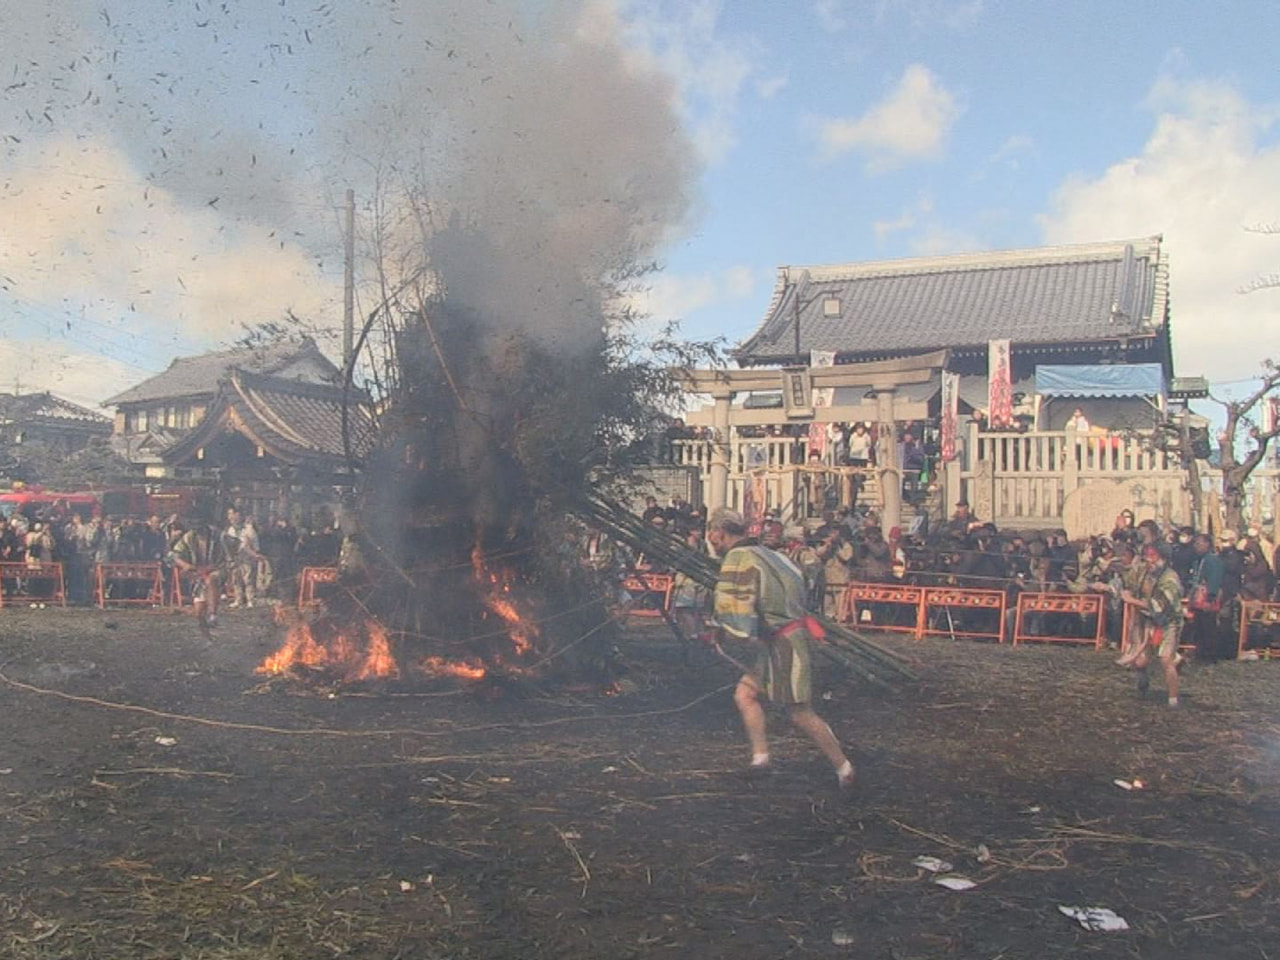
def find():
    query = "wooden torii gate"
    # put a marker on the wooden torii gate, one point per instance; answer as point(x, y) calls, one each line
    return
point(879, 405)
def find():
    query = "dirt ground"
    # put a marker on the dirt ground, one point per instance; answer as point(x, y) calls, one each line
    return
point(433, 822)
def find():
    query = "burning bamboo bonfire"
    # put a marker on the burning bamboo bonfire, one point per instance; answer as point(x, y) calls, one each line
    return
point(510, 383)
point(461, 554)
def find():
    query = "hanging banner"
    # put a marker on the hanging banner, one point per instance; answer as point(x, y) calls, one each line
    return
point(823, 396)
point(950, 415)
point(818, 438)
point(999, 386)
point(1270, 414)
point(753, 497)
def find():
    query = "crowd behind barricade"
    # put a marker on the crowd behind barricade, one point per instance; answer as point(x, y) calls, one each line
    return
point(1182, 583)
point(250, 559)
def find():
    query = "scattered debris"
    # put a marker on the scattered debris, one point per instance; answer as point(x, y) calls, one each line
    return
point(406, 886)
point(1097, 919)
point(1032, 810)
point(609, 770)
point(1128, 784)
point(982, 853)
point(167, 741)
point(955, 883)
point(932, 864)
point(841, 938)
point(5, 771)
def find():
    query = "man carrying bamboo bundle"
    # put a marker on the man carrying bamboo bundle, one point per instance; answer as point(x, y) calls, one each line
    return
point(760, 596)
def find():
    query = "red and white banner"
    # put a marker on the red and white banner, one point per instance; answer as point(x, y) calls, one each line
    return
point(999, 386)
point(950, 415)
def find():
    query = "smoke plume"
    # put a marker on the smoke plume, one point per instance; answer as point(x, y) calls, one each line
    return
point(229, 130)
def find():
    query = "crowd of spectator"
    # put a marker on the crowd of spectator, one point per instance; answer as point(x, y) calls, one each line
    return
point(262, 556)
point(1214, 574)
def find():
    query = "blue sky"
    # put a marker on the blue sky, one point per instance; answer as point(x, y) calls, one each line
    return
point(184, 180)
point(1012, 102)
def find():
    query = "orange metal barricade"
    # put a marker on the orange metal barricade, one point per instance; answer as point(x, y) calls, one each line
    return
point(862, 595)
point(148, 573)
point(1263, 614)
point(950, 599)
point(642, 585)
point(16, 578)
point(1085, 604)
point(310, 578)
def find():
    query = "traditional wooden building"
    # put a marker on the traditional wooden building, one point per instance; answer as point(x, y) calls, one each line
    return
point(176, 399)
point(41, 418)
point(270, 443)
point(263, 426)
point(1087, 324)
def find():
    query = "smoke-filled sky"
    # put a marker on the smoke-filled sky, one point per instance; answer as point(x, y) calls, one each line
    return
point(170, 171)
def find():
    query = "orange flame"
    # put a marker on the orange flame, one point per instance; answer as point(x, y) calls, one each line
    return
point(359, 661)
point(300, 649)
point(378, 661)
point(464, 669)
point(522, 634)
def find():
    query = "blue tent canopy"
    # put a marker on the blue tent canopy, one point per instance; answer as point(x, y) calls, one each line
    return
point(1100, 380)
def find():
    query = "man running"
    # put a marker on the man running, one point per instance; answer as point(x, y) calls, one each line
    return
point(760, 596)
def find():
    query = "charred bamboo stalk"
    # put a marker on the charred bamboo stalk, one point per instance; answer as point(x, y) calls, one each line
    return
point(843, 646)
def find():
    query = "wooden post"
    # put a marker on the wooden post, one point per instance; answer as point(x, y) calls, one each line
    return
point(1071, 456)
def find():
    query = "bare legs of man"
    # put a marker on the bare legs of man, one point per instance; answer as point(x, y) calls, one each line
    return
point(747, 699)
point(1170, 666)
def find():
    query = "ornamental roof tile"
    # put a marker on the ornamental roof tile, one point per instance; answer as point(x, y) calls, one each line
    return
point(200, 375)
point(1081, 292)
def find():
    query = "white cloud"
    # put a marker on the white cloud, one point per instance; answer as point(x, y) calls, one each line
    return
point(711, 71)
point(911, 123)
point(938, 240)
point(1011, 152)
point(769, 87)
point(830, 14)
point(85, 231)
point(958, 15)
point(672, 296)
point(1206, 171)
point(82, 378)
point(906, 220)
point(961, 15)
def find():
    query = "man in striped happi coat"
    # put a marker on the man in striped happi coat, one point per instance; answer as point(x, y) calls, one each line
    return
point(760, 596)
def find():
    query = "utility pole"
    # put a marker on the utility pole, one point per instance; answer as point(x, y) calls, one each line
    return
point(349, 282)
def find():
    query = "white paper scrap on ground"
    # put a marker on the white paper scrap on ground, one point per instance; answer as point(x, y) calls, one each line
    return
point(1099, 919)
point(1123, 784)
point(982, 853)
point(932, 864)
point(841, 939)
point(955, 883)
point(167, 741)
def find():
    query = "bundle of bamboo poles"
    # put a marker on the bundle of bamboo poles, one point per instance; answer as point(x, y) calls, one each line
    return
point(842, 646)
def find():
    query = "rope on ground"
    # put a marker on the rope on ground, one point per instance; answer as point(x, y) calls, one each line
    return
point(333, 732)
